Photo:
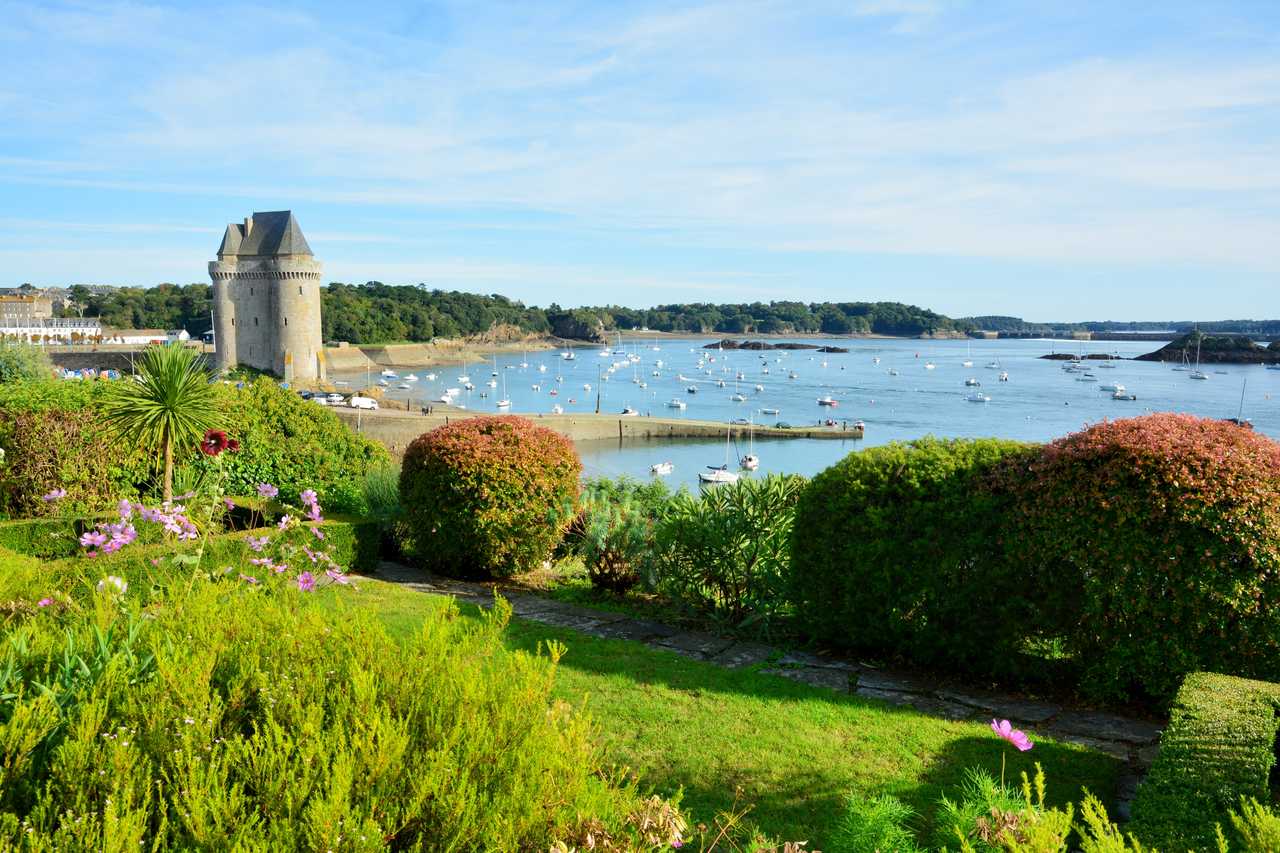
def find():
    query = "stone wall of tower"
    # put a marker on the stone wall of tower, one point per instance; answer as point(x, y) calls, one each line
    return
point(267, 311)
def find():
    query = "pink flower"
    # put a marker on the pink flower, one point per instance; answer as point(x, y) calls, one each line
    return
point(336, 576)
point(92, 537)
point(257, 543)
point(308, 497)
point(306, 582)
point(266, 490)
point(125, 508)
point(229, 504)
point(1004, 730)
point(56, 494)
point(318, 532)
point(313, 513)
point(248, 579)
point(44, 602)
point(284, 522)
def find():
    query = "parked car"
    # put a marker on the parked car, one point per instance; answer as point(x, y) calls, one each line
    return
point(359, 402)
point(306, 395)
point(319, 400)
point(335, 398)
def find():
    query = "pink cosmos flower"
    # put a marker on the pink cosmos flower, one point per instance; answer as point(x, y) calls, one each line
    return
point(229, 504)
point(44, 602)
point(284, 522)
point(280, 569)
point(313, 513)
point(336, 576)
point(266, 490)
point(318, 532)
point(257, 543)
point(56, 494)
point(125, 508)
point(92, 538)
point(308, 497)
point(248, 579)
point(1006, 731)
point(306, 582)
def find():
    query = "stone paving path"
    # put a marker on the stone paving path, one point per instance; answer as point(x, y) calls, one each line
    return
point(1131, 740)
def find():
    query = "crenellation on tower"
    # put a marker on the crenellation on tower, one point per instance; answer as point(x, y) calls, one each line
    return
point(266, 298)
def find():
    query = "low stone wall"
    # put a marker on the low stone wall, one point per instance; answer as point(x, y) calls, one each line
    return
point(396, 429)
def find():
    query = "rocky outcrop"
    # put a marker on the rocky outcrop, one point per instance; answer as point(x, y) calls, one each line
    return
point(760, 345)
point(1215, 349)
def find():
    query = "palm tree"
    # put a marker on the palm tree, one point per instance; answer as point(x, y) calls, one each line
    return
point(170, 403)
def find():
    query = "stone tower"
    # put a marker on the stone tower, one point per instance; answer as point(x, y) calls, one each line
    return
point(266, 299)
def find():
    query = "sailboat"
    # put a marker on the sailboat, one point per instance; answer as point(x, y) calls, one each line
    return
point(968, 354)
point(505, 402)
point(717, 474)
point(1198, 373)
point(750, 462)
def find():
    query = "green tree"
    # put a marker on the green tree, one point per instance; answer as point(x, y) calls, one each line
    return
point(170, 403)
point(21, 362)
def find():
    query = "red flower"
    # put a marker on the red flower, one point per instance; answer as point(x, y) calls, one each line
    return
point(215, 441)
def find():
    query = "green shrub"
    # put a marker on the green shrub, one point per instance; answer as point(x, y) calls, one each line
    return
point(1219, 747)
point(614, 541)
point(726, 553)
point(896, 550)
point(293, 444)
point(1167, 527)
point(233, 717)
point(21, 362)
point(69, 449)
point(488, 496)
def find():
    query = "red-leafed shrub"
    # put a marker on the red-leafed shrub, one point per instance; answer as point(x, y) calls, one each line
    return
point(488, 496)
point(1167, 529)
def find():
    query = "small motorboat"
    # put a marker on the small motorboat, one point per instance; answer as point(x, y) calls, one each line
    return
point(828, 401)
point(404, 386)
point(750, 462)
point(628, 412)
point(431, 377)
point(737, 398)
point(1004, 376)
point(1124, 395)
point(504, 404)
point(793, 375)
point(412, 377)
point(692, 389)
point(1111, 386)
point(384, 383)
point(390, 374)
point(557, 409)
point(759, 387)
point(893, 371)
point(770, 411)
point(677, 404)
point(661, 469)
point(972, 383)
point(929, 365)
point(978, 397)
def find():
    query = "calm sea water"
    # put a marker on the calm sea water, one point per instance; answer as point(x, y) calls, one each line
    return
point(1038, 402)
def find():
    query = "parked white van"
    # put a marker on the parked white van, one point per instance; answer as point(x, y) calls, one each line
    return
point(359, 402)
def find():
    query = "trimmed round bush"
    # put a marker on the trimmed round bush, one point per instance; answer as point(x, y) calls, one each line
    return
point(1169, 527)
point(488, 496)
point(895, 552)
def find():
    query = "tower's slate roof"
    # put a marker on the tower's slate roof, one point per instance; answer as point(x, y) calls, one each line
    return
point(273, 232)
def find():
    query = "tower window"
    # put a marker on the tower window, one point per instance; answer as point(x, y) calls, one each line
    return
point(251, 291)
point(233, 321)
point(299, 290)
point(286, 321)
point(255, 321)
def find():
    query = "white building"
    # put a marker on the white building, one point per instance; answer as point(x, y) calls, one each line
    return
point(70, 330)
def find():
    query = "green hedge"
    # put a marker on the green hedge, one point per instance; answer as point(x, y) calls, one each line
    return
point(1219, 746)
point(896, 551)
point(47, 538)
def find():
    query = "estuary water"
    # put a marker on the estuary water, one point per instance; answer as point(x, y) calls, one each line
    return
point(901, 389)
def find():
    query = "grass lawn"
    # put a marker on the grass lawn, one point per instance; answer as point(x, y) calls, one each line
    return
point(794, 752)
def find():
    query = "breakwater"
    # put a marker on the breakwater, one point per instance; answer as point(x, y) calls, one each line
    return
point(396, 429)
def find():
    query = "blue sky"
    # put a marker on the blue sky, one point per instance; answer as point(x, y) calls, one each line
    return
point(1059, 161)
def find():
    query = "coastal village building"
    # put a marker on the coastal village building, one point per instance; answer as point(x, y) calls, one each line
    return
point(72, 330)
point(25, 308)
point(266, 299)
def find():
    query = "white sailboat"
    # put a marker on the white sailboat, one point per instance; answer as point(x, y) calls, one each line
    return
point(750, 461)
point(505, 402)
point(717, 474)
point(1198, 373)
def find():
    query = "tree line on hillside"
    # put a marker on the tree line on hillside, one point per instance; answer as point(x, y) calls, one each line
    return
point(374, 313)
